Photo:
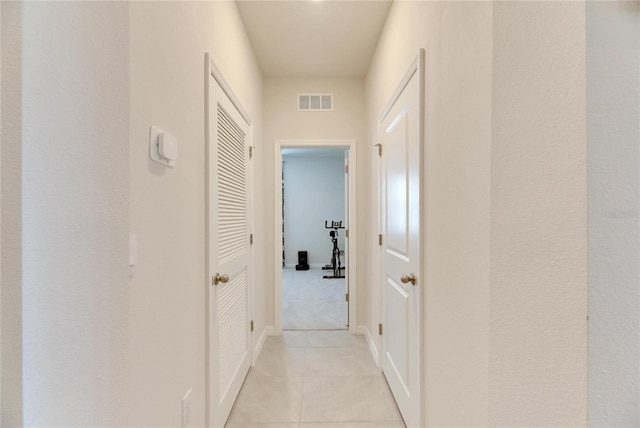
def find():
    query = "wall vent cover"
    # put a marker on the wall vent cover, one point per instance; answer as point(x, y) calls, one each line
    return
point(315, 102)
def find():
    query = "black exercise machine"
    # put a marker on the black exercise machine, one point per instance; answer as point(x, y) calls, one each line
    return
point(336, 265)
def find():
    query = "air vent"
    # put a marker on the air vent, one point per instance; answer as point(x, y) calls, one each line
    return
point(315, 102)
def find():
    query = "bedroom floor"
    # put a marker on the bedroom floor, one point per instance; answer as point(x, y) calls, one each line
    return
point(310, 302)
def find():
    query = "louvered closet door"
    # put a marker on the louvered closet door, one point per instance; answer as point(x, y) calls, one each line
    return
point(229, 253)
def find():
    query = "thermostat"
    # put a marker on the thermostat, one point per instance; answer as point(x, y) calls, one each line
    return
point(163, 147)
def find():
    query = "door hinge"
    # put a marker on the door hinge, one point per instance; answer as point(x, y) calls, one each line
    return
point(380, 239)
point(380, 329)
point(251, 151)
point(379, 146)
point(346, 233)
point(346, 297)
point(251, 325)
point(346, 169)
point(251, 239)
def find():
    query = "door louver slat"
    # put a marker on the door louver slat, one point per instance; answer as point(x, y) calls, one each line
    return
point(232, 318)
point(232, 219)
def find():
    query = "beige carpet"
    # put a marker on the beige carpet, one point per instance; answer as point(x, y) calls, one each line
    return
point(310, 302)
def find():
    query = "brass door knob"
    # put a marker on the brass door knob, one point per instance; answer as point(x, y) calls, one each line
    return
point(217, 278)
point(411, 278)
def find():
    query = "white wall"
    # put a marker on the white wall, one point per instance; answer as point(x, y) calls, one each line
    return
point(74, 213)
point(505, 186)
point(11, 233)
point(283, 121)
point(613, 70)
point(313, 194)
point(168, 41)
point(538, 301)
point(0, 213)
point(90, 344)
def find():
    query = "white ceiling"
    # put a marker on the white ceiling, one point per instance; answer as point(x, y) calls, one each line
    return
point(314, 38)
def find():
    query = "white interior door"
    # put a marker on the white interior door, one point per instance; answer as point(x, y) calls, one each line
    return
point(401, 135)
point(229, 335)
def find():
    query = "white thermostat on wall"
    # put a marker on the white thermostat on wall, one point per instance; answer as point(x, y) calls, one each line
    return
point(163, 147)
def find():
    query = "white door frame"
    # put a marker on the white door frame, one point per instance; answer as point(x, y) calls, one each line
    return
point(277, 247)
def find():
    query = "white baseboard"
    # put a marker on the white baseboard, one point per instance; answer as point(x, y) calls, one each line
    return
point(258, 348)
point(363, 329)
point(267, 331)
point(270, 330)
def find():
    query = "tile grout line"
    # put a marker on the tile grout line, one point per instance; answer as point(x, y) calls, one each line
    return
point(304, 371)
point(362, 373)
point(367, 397)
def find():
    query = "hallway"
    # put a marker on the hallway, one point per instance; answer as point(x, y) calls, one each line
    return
point(526, 290)
point(312, 379)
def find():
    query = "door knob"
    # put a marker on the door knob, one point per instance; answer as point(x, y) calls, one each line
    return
point(217, 278)
point(411, 278)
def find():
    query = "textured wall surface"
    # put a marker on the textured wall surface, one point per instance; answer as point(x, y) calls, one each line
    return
point(613, 89)
point(457, 197)
point(75, 213)
point(538, 302)
point(11, 333)
point(167, 288)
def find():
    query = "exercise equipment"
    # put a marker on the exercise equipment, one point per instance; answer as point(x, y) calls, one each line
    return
point(336, 252)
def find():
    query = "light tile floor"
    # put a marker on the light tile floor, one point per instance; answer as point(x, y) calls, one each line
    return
point(315, 379)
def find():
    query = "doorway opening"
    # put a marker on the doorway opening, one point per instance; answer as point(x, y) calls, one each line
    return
point(314, 255)
point(314, 222)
